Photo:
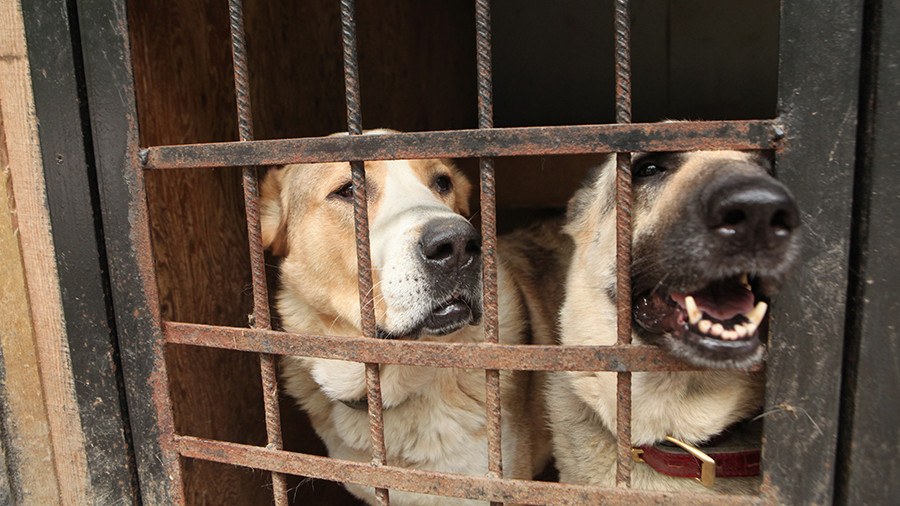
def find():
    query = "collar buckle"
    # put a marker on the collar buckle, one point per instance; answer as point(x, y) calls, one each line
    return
point(707, 463)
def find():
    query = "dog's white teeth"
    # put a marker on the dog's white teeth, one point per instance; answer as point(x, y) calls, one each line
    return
point(751, 328)
point(745, 280)
point(757, 313)
point(704, 326)
point(741, 330)
point(694, 313)
point(716, 329)
point(729, 335)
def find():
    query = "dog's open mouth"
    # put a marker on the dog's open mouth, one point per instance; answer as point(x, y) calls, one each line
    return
point(717, 325)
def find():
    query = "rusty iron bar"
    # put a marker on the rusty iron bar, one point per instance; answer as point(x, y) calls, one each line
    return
point(444, 484)
point(488, 235)
point(261, 318)
point(519, 141)
point(616, 358)
point(363, 257)
point(623, 243)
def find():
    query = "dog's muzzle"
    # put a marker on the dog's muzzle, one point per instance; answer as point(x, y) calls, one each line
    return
point(727, 254)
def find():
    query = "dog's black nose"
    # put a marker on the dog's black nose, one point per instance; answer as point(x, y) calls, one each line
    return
point(752, 212)
point(450, 244)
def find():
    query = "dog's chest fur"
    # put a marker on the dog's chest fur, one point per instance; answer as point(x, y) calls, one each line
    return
point(440, 426)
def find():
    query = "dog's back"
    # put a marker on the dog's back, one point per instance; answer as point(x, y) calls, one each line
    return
point(538, 258)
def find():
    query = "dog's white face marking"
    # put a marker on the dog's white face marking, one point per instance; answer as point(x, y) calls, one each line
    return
point(407, 204)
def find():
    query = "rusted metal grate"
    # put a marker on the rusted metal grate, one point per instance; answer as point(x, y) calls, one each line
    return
point(261, 318)
point(485, 143)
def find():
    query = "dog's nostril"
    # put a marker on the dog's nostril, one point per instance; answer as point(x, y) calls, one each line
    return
point(781, 223)
point(734, 217)
point(473, 247)
point(440, 251)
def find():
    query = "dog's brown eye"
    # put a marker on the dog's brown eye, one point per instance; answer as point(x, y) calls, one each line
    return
point(344, 192)
point(648, 169)
point(443, 184)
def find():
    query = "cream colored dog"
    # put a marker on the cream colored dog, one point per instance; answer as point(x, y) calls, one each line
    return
point(427, 286)
point(714, 237)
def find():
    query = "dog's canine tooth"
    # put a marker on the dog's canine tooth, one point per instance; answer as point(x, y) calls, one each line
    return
point(757, 313)
point(717, 329)
point(741, 330)
point(704, 326)
point(751, 328)
point(694, 313)
point(745, 280)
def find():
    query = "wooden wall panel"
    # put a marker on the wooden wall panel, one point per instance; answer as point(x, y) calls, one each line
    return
point(184, 88)
point(24, 427)
point(42, 413)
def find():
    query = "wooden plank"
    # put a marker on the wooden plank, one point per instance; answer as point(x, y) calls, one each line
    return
point(73, 204)
point(6, 496)
point(869, 470)
point(819, 74)
point(46, 349)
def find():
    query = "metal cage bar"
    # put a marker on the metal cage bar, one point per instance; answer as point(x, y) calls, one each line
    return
point(361, 223)
point(623, 243)
point(444, 484)
point(488, 236)
point(431, 354)
point(519, 141)
point(261, 317)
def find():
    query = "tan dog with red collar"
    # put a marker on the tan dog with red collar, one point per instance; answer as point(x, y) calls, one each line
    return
point(714, 237)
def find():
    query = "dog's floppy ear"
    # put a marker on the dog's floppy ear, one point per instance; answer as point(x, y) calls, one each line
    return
point(273, 221)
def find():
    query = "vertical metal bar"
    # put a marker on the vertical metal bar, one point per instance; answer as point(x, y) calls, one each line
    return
point(488, 235)
point(873, 312)
point(361, 222)
point(816, 67)
point(261, 318)
point(126, 231)
point(623, 242)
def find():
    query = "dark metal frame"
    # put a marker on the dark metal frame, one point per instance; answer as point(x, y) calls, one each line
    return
point(867, 460)
point(802, 387)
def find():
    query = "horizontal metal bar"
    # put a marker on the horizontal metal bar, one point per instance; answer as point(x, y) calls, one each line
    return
point(464, 355)
point(556, 140)
point(435, 483)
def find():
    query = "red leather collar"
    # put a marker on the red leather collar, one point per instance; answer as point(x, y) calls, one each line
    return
point(736, 453)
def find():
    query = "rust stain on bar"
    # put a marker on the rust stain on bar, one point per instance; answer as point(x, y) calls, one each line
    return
point(488, 235)
point(623, 243)
point(465, 355)
point(361, 223)
point(261, 315)
point(489, 142)
point(435, 483)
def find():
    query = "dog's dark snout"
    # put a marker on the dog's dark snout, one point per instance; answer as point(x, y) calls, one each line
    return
point(450, 245)
point(753, 212)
